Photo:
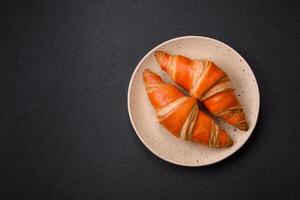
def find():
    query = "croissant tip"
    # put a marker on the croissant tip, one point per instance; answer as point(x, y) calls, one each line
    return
point(146, 70)
point(158, 53)
point(229, 143)
point(162, 59)
point(146, 73)
point(243, 126)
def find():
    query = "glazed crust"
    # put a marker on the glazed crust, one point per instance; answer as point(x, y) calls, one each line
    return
point(180, 114)
point(206, 82)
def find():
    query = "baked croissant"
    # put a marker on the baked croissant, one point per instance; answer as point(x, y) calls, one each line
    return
point(206, 82)
point(180, 114)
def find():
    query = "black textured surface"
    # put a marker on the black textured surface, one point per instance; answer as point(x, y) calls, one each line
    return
point(65, 69)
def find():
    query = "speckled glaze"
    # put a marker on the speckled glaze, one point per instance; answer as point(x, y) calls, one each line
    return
point(156, 138)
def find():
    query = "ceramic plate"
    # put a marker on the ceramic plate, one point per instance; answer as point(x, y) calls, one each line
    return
point(165, 145)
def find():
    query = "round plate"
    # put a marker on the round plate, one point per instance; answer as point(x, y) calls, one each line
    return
point(165, 145)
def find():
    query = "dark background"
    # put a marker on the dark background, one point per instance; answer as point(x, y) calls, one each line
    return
point(64, 126)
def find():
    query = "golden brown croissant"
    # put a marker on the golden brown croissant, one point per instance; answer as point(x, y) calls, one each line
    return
point(180, 114)
point(206, 82)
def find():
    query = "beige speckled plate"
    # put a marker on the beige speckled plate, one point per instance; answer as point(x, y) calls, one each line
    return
point(156, 138)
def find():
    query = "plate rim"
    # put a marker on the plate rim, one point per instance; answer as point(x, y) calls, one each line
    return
point(129, 100)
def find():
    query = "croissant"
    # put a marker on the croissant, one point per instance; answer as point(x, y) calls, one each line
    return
point(180, 114)
point(207, 82)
